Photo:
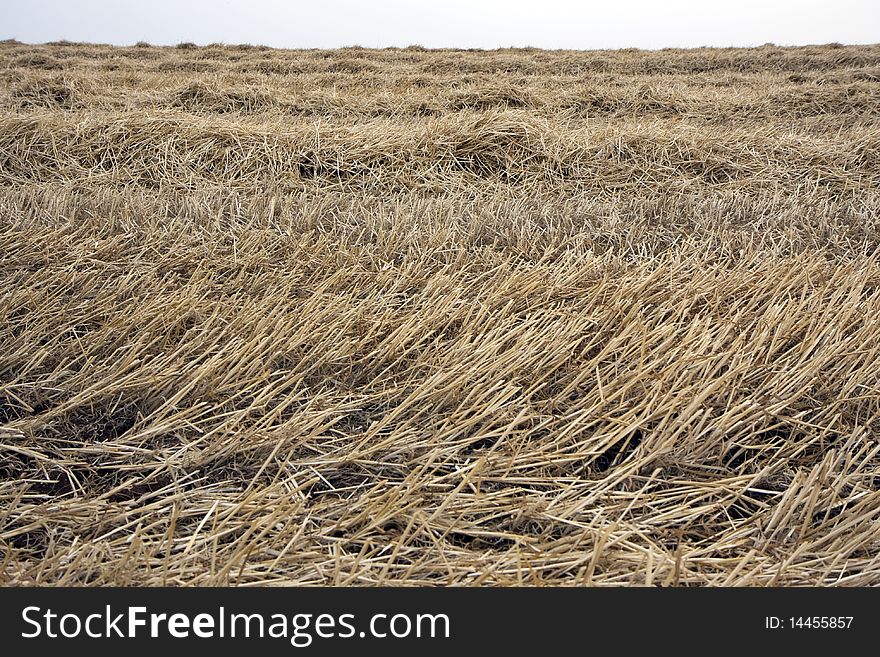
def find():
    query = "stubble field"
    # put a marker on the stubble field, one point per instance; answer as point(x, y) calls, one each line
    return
point(512, 317)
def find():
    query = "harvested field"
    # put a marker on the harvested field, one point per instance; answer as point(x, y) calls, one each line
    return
point(415, 317)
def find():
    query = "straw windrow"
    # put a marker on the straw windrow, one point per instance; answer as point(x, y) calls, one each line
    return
point(438, 317)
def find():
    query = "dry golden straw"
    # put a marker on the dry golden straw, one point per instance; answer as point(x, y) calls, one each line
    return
point(411, 317)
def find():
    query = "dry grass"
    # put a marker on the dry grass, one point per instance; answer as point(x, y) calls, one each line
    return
point(439, 317)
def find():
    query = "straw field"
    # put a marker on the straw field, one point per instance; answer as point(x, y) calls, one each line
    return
point(436, 317)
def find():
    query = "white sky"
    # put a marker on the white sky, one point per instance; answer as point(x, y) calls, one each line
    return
point(449, 23)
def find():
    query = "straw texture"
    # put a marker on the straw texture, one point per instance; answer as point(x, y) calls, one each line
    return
point(409, 317)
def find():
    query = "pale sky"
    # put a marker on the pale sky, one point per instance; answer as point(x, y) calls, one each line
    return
point(449, 23)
